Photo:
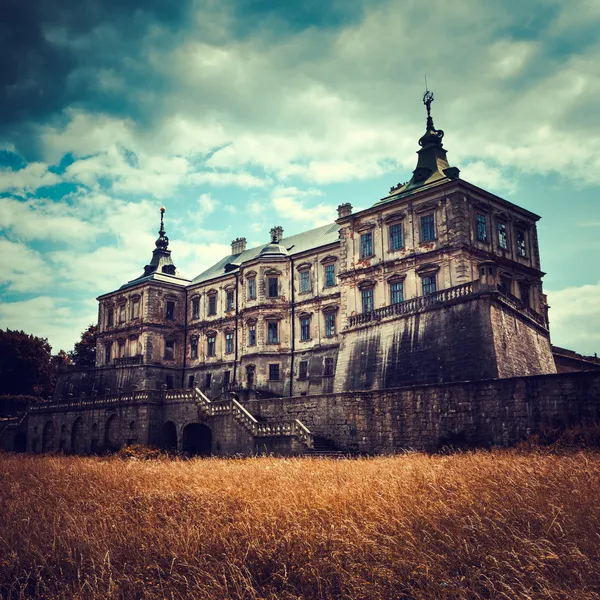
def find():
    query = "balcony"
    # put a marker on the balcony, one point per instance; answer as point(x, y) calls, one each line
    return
point(128, 361)
point(413, 305)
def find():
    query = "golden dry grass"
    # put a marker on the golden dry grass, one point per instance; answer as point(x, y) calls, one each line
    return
point(478, 525)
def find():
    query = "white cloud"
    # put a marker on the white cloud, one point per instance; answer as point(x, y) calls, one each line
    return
point(287, 205)
point(28, 179)
point(23, 269)
point(575, 318)
point(56, 319)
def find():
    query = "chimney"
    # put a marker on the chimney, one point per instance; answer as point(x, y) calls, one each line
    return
point(344, 210)
point(276, 234)
point(238, 245)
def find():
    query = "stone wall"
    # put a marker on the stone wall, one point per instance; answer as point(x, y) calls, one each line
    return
point(482, 413)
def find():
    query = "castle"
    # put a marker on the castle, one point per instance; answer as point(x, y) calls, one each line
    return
point(436, 284)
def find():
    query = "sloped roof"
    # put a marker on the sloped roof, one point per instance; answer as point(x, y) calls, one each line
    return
point(295, 244)
point(157, 276)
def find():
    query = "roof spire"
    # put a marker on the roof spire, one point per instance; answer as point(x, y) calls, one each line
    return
point(163, 241)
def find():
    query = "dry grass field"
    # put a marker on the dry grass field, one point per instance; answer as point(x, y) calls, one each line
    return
point(504, 524)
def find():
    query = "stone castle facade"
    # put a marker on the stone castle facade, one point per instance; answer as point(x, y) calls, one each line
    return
point(438, 282)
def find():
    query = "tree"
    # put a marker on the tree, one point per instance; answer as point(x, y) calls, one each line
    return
point(84, 353)
point(25, 364)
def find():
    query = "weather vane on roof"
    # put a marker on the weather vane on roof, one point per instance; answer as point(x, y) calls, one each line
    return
point(427, 100)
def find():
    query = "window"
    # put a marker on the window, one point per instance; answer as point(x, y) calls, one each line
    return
point(207, 380)
point(396, 292)
point(229, 342)
point(366, 245)
point(169, 350)
point(304, 328)
point(329, 324)
point(273, 287)
point(252, 335)
point(122, 313)
point(329, 367)
point(226, 378)
point(121, 348)
point(190, 381)
point(274, 372)
point(170, 313)
point(212, 304)
point(230, 301)
point(302, 369)
point(505, 284)
point(252, 288)
point(304, 281)
point(329, 275)
point(107, 352)
point(429, 284)
point(194, 348)
point(273, 332)
point(210, 346)
point(195, 308)
point(396, 241)
point(481, 228)
point(135, 309)
point(427, 228)
point(524, 293)
point(367, 300)
point(110, 317)
point(521, 247)
point(502, 239)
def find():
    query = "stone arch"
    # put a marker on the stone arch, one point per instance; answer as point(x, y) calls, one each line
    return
point(49, 437)
point(197, 439)
point(169, 436)
point(20, 444)
point(78, 436)
point(112, 436)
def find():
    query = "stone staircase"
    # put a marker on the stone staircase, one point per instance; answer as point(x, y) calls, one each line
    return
point(324, 448)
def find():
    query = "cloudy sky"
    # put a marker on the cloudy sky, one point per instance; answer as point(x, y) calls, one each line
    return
point(241, 114)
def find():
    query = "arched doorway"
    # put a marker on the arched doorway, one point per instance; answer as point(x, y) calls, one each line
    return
point(49, 437)
point(20, 442)
point(113, 433)
point(197, 439)
point(169, 436)
point(78, 437)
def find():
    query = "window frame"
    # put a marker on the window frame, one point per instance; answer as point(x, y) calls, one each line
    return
point(364, 246)
point(193, 348)
point(272, 280)
point(251, 290)
point(521, 241)
point(428, 228)
point(108, 352)
point(303, 370)
point(170, 310)
point(368, 292)
point(330, 315)
point(274, 367)
point(196, 307)
point(122, 312)
point(431, 282)
point(212, 304)
point(228, 342)
point(229, 300)
point(304, 328)
point(329, 269)
point(169, 349)
point(273, 326)
point(110, 317)
point(305, 284)
point(211, 345)
point(394, 293)
point(135, 309)
point(252, 334)
point(502, 231)
point(393, 247)
point(481, 228)
point(328, 367)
